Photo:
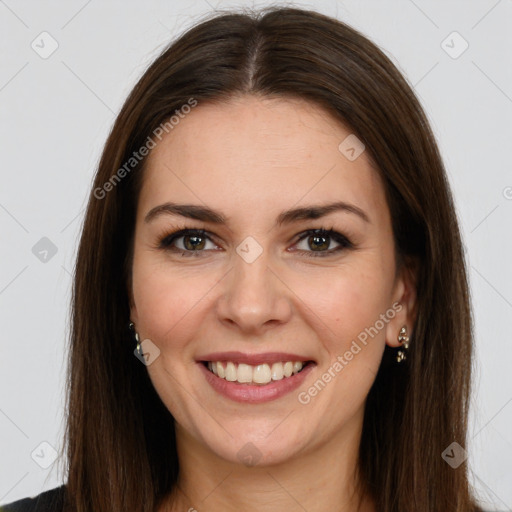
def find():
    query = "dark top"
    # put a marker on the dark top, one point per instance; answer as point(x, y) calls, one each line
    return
point(48, 501)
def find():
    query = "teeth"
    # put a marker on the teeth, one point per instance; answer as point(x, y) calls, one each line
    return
point(244, 373)
point(288, 369)
point(277, 371)
point(230, 372)
point(220, 370)
point(259, 374)
point(297, 367)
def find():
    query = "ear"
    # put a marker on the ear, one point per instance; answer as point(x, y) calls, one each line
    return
point(133, 313)
point(131, 302)
point(405, 301)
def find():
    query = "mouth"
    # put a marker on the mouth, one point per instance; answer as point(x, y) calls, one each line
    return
point(256, 374)
point(257, 383)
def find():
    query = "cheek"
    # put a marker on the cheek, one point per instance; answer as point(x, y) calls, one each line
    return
point(348, 298)
point(348, 315)
point(346, 305)
point(166, 300)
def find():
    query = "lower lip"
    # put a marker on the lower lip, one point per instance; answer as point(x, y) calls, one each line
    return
point(252, 393)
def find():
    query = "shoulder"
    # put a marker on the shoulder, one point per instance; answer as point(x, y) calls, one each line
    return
point(48, 501)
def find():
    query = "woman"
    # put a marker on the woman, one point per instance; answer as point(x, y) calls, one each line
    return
point(270, 305)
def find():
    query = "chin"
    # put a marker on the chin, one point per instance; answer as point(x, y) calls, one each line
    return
point(256, 449)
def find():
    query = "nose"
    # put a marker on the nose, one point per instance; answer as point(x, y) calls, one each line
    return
point(254, 298)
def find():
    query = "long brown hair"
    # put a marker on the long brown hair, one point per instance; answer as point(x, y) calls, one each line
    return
point(120, 437)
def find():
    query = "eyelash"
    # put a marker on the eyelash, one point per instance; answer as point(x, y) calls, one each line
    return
point(167, 239)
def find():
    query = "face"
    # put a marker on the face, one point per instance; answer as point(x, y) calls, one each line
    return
point(263, 279)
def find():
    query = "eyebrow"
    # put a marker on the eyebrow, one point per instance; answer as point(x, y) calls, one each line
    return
point(206, 214)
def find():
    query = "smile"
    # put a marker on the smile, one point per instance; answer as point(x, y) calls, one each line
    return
point(250, 391)
point(260, 374)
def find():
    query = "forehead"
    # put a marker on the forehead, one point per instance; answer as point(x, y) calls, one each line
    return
point(255, 153)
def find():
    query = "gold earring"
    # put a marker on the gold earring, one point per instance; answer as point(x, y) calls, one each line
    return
point(402, 338)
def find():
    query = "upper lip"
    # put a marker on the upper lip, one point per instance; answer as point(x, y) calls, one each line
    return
point(253, 359)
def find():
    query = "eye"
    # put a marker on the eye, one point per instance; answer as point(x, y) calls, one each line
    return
point(320, 241)
point(193, 242)
point(190, 242)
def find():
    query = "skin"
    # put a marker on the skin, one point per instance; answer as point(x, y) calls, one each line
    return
point(250, 159)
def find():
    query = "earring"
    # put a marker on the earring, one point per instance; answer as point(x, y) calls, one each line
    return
point(131, 325)
point(402, 338)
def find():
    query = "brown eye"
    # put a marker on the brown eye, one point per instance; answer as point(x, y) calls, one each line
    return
point(193, 242)
point(319, 241)
point(190, 242)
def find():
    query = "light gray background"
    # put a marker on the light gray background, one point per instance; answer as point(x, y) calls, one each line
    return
point(56, 114)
